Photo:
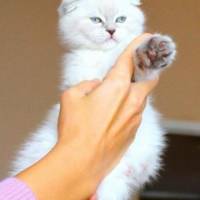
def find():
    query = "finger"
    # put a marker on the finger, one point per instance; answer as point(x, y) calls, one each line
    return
point(119, 78)
point(144, 88)
point(85, 87)
point(125, 136)
point(131, 129)
point(88, 86)
point(133, 106)
point(124, 66)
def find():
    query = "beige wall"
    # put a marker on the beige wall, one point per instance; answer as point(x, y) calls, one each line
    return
point(30, 57)
point(178, 95)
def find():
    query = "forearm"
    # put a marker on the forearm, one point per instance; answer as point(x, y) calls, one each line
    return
point(64, 178)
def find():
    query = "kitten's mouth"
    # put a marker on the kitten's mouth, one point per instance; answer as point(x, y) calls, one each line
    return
point(111, 39)
point(110, 42)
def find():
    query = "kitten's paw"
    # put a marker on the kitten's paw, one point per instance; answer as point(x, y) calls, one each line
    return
point(156, 52)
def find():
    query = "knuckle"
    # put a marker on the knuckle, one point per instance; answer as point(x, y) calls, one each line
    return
point(67, 94)
point(64, 94)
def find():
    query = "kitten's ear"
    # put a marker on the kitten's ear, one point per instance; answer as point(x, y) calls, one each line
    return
point(136, 2)
point(67, 6)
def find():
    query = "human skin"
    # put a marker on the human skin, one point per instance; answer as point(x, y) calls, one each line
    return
point(98, 121)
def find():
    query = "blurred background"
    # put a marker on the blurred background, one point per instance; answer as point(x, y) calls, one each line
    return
point(30, 57)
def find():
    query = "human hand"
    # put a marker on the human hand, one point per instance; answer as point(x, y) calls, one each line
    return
point(98, 121)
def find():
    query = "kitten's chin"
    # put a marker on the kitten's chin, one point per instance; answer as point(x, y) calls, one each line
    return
point(109, 44)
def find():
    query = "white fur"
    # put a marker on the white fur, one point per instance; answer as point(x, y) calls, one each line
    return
point(92, 53)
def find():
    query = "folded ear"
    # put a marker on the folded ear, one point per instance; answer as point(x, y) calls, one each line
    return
point(136, 2)
point(66, 7)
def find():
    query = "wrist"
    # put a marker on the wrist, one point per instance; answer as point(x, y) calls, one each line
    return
point(58, 177)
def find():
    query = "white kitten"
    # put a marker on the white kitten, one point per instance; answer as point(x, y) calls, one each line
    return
point(96, 32)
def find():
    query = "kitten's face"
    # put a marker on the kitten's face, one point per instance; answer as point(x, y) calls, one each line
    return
point(99, 24)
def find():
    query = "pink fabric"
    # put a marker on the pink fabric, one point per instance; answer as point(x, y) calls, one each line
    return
point(14, 189)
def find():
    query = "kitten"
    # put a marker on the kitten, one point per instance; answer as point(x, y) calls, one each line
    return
point(96, 32)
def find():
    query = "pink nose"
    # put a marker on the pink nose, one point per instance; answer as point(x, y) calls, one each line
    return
point(111, 31)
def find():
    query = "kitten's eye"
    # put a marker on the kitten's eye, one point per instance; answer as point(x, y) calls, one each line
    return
point(121, 19)
point(96, 20)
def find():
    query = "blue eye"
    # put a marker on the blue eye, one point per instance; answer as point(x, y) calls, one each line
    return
point(96, 20)
point(121, 19)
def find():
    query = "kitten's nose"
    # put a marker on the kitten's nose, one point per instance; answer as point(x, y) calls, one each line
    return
point(111, 31)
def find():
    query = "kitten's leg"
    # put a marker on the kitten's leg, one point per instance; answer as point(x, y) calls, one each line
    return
point(154, 55)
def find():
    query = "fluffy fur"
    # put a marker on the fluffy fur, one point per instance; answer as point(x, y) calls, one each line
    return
point(94, 44)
